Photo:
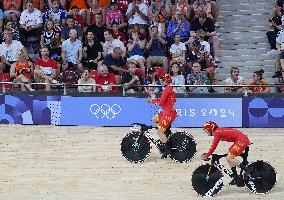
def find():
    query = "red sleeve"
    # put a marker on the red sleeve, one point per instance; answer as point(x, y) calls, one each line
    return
point(37, 62)
point(214, 144)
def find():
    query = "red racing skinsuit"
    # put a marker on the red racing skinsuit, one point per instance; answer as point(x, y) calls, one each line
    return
point(168, 114)
point(240, 140)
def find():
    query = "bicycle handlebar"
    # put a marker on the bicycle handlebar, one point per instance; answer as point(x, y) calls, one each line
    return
point(144, 127)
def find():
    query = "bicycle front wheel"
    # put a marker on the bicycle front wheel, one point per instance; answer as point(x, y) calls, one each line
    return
point(262, 178)
point(207, 180)
point(133, 150)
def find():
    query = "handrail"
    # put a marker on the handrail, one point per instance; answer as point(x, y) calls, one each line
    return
point(124, 89)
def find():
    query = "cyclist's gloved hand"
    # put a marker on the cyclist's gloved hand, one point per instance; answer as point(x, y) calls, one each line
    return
point(204, 157)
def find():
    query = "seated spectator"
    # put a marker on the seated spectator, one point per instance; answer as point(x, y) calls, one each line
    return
point(280, 53)
point(114, 14)
point(202, 22)
point(183, 7)
point(276, 23)
point(49, 34)
point(177, 51)
point(177, 78)
point(136, 47)
point(98, 28)
point(111, 43)
point(131, 80)
point(202, 5)
point(162, 8)
point(156, 48)
point(46, 69)
point(153, 81)
point(116, 34)
point(85, 79)
point(9, 51)
point(234, 79)
point(15, 31)
point(70, 24)
point(258, 80)
point(196, 55)
point(106, 79)
point(55, 14)
point(72, 52)
point(137, 16)
point(178, 25)
point(12, 9)
point(196, 77)
point(78, 19)
point(38, 4)
point(92, 51)
point(22, 72)
point(156, 21)
point(91, 12)
point(30, 21)
point(82, 5)
point(115, 63)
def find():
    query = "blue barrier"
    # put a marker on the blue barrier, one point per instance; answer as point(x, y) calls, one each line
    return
point(114, 111)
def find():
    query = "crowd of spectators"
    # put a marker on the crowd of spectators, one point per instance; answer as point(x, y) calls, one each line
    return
point(110, 42)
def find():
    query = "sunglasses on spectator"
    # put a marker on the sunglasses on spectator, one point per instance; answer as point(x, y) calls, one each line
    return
point(236, 72)
point(196, 66)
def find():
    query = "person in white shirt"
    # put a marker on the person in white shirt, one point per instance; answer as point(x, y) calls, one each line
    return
point(72, 52)
point(234, 79)
point(137, 16)
point(177, 51)
point(9, 51)
point(30, 21)
point(111, 43)
point(177, 78)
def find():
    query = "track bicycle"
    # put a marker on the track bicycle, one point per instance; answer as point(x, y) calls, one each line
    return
point(207, 179)
point(136, 148)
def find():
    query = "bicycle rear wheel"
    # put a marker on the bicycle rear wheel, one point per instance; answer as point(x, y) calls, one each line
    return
point(207, 185)
point(133, 150)
point(262, 177)
point(183, 147)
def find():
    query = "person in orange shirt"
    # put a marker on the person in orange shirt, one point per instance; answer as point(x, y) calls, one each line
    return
point(22, 71)
point(257, 79)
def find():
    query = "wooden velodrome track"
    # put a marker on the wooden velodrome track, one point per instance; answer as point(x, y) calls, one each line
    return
point(56, 162)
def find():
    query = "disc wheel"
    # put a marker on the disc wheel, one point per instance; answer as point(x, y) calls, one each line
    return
point(262, 177)
point(133, 150)
point(207, 185)
point(183, 147)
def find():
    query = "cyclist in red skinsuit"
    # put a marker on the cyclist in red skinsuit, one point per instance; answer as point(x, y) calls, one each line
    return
point(240, 140)
point(165, 118)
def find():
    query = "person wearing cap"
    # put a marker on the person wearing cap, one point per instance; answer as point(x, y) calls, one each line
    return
point(196, 56)
point(178, 25)
point(165, 118)
point(206, 24)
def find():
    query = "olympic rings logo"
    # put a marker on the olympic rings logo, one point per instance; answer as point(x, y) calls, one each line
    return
point(105, 110)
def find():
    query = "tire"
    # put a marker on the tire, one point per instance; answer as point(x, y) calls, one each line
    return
point(183, 147)
point(262, 178)
point(209, 187)
point(135, 154)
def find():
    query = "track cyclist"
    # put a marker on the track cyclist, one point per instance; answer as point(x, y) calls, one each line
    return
point(164, 119)
point(240, 140)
